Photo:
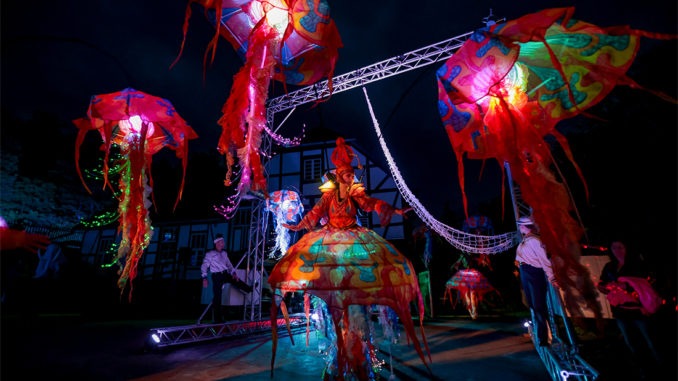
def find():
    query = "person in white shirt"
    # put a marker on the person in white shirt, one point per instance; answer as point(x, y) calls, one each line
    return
point(218, 264)
point(535, 270)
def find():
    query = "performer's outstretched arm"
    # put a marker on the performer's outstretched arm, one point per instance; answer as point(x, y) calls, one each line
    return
point(311, 219)
point(370, 204)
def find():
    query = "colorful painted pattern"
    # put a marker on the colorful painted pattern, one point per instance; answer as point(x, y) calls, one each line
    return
point(286, 202)
point(343, 261)
point(469, 279)
point(506, 88)
point(356, 265)
point(293, 41)
point(478, 224)
point(309, 49)
point(346, 264)
point(563, 65)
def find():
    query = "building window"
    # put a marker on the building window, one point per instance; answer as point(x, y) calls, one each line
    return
point(169, 234)
point(168, 244)
point(198, 245)
point(312, 169)
point(239, 228)
point(364, 220)
point(239, 239)
point(242, 217)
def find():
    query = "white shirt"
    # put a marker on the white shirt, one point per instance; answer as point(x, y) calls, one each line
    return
point(216, 262)
point(532, 252)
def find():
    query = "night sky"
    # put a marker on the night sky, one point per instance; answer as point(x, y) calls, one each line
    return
point(56, 54)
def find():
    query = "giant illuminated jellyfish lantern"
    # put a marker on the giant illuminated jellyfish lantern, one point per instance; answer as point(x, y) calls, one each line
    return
point(293, 41)
point(141, 125)
point(347, 265)
point(285, 205)
point(506, 88)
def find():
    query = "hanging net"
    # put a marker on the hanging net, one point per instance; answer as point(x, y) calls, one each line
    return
point(470, 243)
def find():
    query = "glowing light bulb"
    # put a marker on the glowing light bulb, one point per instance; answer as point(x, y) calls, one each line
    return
point(278, 19)
point(515, 82)
point(134, 124)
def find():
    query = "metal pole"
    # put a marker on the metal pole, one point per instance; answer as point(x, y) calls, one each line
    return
point(516, 213)
point(203, 313)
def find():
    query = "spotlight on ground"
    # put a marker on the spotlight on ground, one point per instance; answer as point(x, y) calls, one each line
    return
point(152, 342)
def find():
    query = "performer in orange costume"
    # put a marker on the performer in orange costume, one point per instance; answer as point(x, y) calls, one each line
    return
point(346, 264)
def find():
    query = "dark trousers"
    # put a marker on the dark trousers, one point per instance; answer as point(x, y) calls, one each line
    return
point(641, 323)
point(535, 287)
point(218, 280)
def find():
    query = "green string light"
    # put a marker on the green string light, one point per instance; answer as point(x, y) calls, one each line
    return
point(103, 219)
point(111, 250)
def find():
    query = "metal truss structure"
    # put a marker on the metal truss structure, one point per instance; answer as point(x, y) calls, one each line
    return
point(257, 247)
point(561, 358)
point(171, 336)
point(387, 68)
point(520, 208)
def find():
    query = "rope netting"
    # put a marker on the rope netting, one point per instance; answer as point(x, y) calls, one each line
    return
point(470, 243)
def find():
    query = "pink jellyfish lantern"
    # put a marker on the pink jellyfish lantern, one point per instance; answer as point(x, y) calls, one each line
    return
point(141, 125)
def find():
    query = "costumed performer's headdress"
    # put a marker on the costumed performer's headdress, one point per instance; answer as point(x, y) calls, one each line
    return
point(219, 237)
point(342, 157)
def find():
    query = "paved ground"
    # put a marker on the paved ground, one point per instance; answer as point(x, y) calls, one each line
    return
point(75, 347)
point(68, 348)
point(104, 340)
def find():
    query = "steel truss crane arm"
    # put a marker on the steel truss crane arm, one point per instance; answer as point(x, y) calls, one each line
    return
point(392, 66)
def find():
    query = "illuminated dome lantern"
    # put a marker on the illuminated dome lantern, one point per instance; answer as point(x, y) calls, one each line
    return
point(471, 285)
point(292, 41)
point(505, 89)
point(141, 125)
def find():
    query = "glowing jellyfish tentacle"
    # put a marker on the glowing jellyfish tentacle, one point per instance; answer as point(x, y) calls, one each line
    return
point(260, 28)
point(282, 235)
point(244, 116)
point(133, 209)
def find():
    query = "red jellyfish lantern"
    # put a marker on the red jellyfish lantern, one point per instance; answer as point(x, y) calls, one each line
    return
point(345, 264)
point(471, 285)
point(141, 125)
point(293, 41)
point(506, 88)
